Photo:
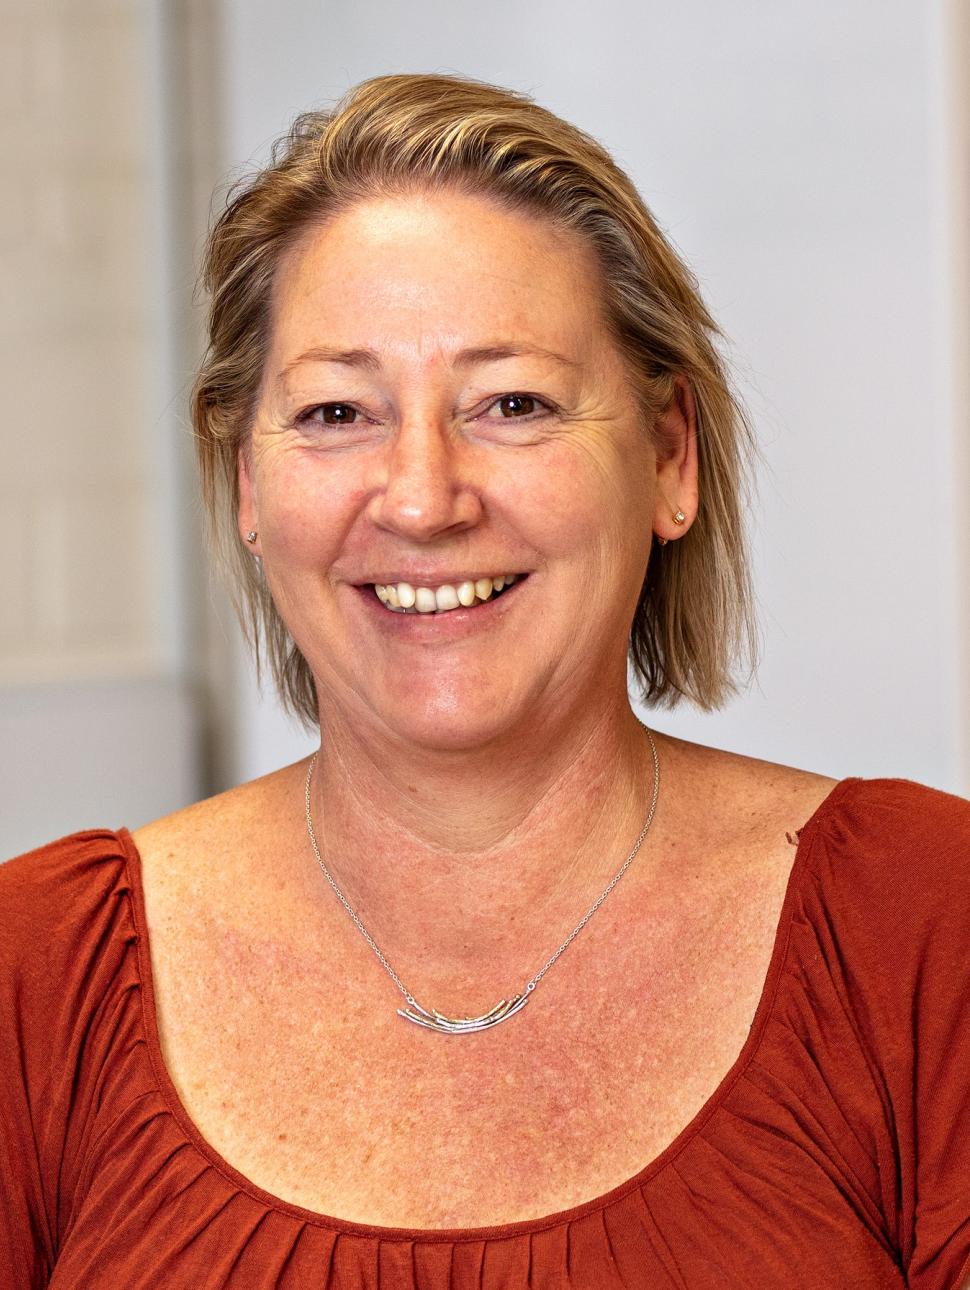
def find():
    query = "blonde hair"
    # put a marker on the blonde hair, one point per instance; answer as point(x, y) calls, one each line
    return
point(398, 134)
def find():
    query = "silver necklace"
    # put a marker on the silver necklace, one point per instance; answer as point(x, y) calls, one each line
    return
point(505, 1008)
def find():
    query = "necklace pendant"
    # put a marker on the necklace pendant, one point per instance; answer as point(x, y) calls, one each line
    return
point(434, 1020)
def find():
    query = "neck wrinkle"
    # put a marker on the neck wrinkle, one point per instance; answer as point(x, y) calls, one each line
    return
point(531, 869)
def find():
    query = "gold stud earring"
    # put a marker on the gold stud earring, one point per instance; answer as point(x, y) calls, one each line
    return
point(251, 536)
point(679, 517)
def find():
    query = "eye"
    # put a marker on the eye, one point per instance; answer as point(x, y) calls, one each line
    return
point(513, 406)
point(331, 414)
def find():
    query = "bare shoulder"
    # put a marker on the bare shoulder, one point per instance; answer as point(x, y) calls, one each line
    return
point(221, 835)
point(213, 879)
point(744, 798)
point(731, 834)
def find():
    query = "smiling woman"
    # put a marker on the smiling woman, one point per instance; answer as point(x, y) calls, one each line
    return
point(470, 421)
point(469, 450)
point(400, 164)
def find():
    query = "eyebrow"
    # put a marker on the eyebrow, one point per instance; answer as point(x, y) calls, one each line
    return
point(368, 359)
point(496, 353)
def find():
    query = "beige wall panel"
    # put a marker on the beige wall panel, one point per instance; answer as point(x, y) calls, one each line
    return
point(78, 343)
point(73, 411)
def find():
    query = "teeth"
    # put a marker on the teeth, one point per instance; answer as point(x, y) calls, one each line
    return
point(401, 596)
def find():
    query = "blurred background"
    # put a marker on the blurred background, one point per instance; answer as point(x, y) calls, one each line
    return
point(811, 162)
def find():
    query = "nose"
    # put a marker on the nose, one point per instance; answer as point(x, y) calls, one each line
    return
point(426, 492)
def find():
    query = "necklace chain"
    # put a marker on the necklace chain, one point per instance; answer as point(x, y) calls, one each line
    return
point(505, 1008)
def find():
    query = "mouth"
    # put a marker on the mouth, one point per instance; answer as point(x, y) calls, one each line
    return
point(443, 598)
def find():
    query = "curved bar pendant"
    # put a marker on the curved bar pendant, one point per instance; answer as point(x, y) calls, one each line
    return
point(434, 1020)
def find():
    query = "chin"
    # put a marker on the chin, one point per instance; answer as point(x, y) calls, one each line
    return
point(444, 723)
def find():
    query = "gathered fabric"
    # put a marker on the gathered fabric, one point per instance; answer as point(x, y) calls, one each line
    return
point(834, 1153)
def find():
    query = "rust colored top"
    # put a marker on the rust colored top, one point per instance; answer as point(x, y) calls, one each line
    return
point(835, 1153)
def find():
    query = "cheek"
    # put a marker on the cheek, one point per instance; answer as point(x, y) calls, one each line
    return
point(585, 500)
point(306, 508)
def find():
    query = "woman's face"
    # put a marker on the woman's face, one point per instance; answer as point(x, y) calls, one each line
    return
point(442, 405)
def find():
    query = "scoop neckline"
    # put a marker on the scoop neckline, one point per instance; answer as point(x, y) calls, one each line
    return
point(806, 837)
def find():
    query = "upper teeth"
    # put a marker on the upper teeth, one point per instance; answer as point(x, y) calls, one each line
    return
point(430, 600)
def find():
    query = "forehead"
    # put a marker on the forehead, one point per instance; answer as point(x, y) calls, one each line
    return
point(429, 272)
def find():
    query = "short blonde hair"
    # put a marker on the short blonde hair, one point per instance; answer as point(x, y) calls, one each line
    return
point(396, 134)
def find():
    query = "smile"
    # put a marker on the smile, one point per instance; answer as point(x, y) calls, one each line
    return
point(403, 598)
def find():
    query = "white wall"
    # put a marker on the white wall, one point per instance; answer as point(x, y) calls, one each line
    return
point(97, 753)
point(96, 724)
point(795, 153)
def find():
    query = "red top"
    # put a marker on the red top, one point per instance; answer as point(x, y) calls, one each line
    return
point(835, 1153)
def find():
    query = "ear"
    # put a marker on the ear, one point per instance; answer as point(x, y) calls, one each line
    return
point(677, 470)
point(247, 519)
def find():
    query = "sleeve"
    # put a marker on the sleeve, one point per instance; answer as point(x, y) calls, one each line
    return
point(26, 1230)
point(47, 903)
point(903, 898)
point(940, 1022)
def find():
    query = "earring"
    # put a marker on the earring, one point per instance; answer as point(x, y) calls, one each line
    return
point(661, 541)
point(251, 536)
point(679, 517)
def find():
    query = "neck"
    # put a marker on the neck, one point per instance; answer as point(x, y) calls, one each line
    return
point(453, 859)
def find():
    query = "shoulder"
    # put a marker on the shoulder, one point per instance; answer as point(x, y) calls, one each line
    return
point(733, 800)
point(871, 843)
point(59, 905)
point(43, 891)
point(894, 850)
point(898, 815)
point(219, 847)
point(894, 855)
point(881, 817)
point(222, 824)
point(881, 826)
point(65, 933)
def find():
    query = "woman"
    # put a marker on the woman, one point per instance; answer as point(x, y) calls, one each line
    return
point(465, 424)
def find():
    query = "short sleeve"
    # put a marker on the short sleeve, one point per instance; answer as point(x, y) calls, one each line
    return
point(900, 891)
point(53, 905)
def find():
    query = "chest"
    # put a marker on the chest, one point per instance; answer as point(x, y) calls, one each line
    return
point(295, 1067)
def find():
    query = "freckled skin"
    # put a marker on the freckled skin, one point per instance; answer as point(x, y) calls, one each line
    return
point(283, 1045)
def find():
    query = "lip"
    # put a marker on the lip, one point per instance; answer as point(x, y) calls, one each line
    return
point(439, 578)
